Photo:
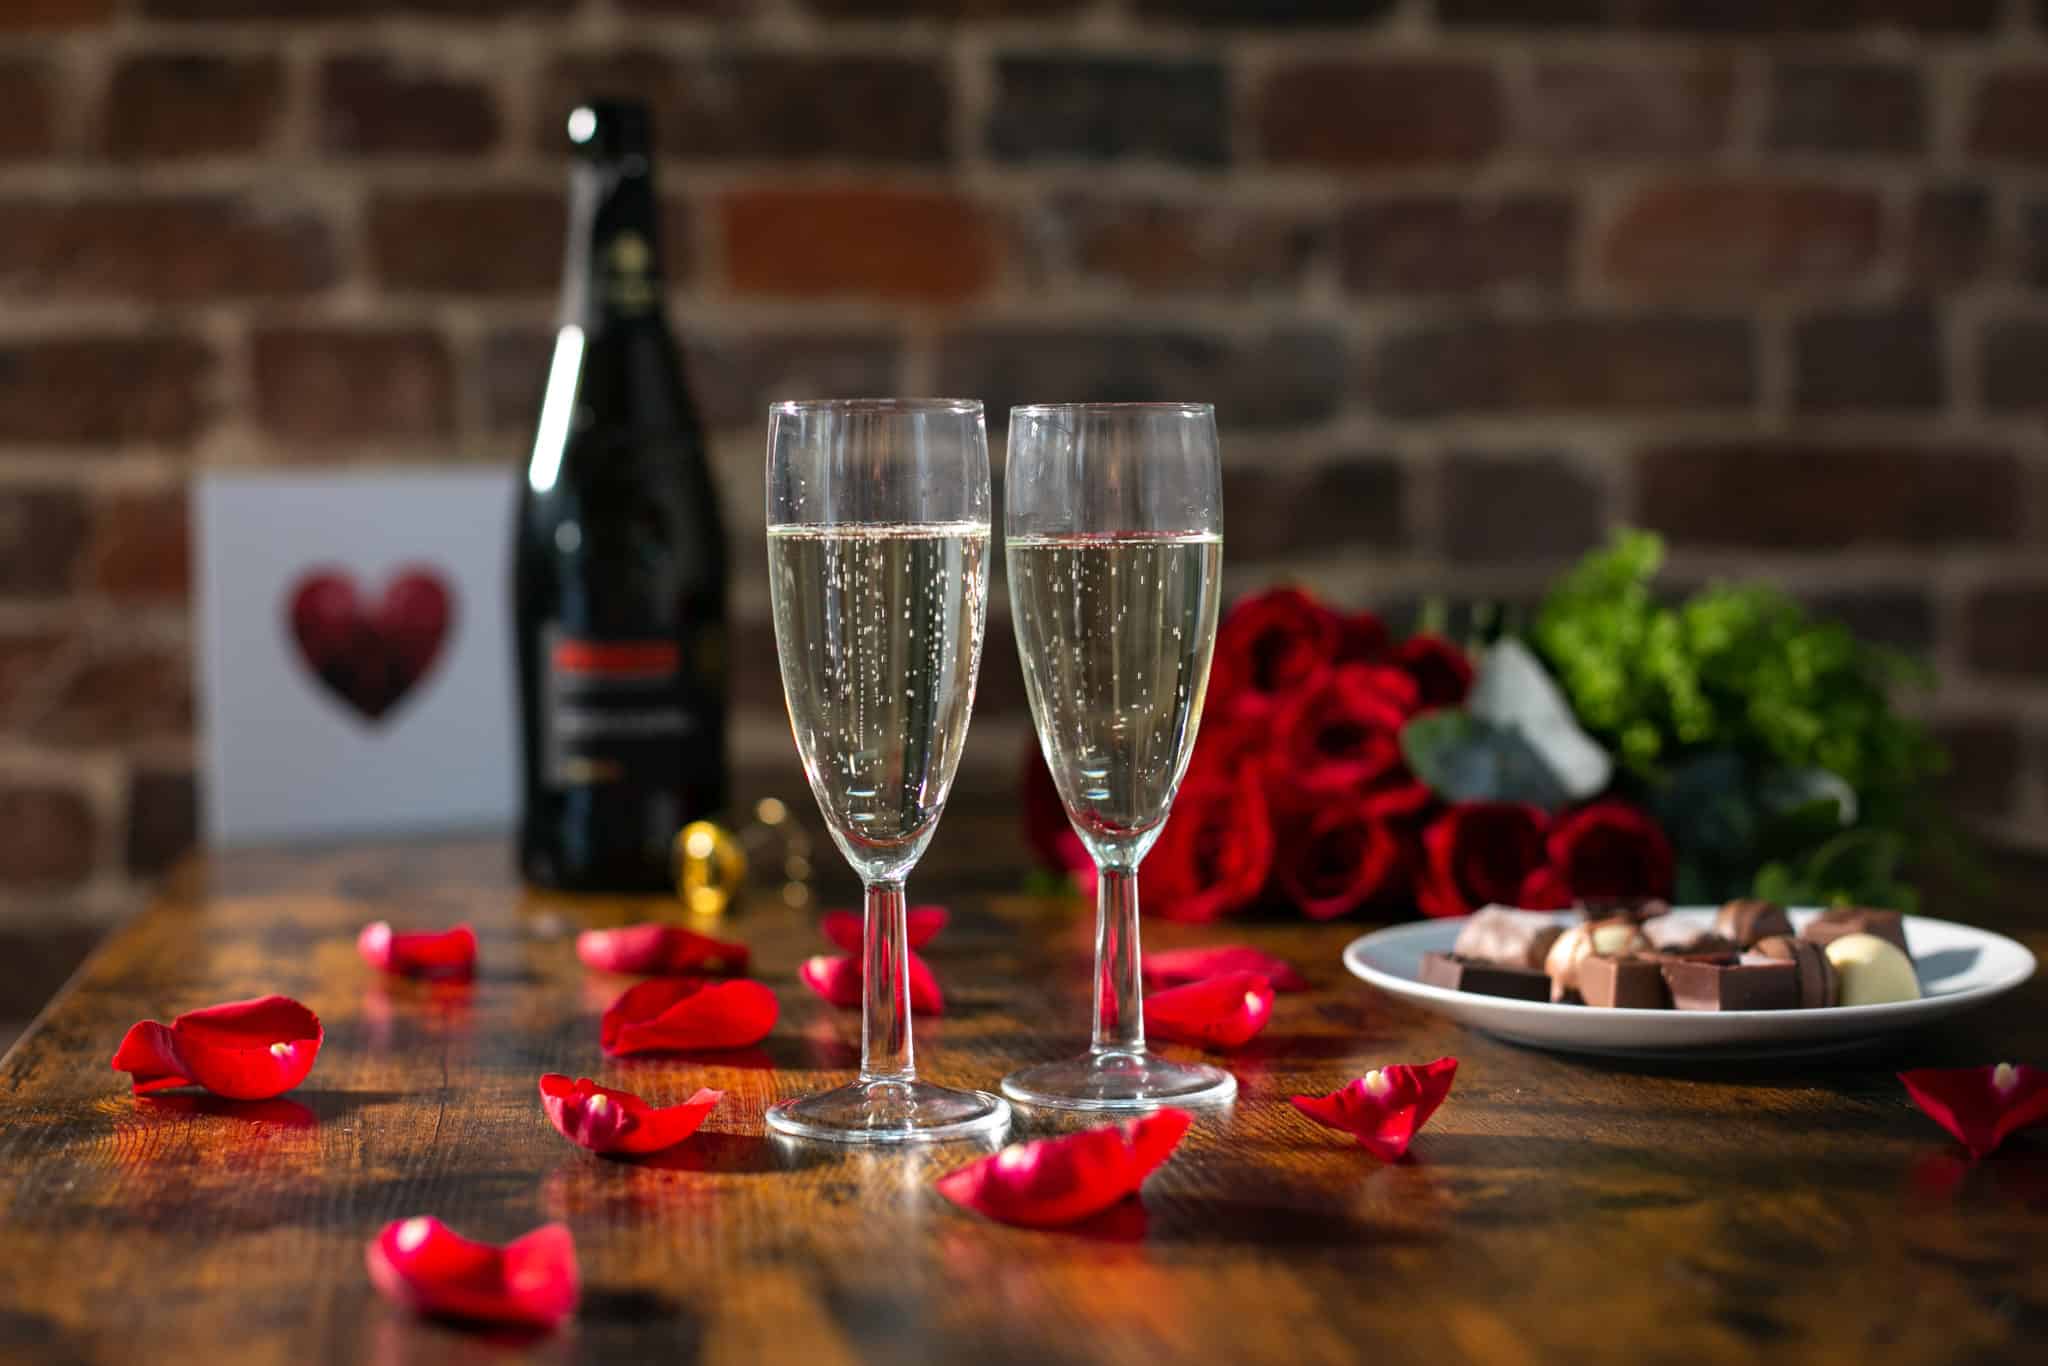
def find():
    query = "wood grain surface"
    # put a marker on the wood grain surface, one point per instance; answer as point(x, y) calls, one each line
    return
point(1554, 1209)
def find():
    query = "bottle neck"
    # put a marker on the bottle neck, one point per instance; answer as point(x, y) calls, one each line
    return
point(613, 272)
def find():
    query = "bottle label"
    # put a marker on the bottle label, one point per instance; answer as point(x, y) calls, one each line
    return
point(629, 282)
point(614, 711)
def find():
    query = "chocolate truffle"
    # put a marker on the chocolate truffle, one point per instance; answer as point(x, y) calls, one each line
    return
point(1487, 979)
point(1745, 922)
point(1836, 921)
point(1612, 938)
point(1874, 971)
point(1670, 934)
point(1515, 939)
point(1749, 983)
point(1819, 983)
point(1624, 983)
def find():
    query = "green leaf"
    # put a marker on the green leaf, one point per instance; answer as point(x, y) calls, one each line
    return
point(1513, 692)
point(1465, 759)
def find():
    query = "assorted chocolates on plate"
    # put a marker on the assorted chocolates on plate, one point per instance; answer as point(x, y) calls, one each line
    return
point(1646, 958)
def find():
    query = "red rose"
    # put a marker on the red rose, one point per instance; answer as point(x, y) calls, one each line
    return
point(1403, 809)
point(1215, 852)
point(1611, 849)
point(1544, 890)
point(1442, 673)
point(1362, 639)
point(1047, 829)
point(1342, 734)
point(1337, 860)
point(1270, 646)
point(1478, 853)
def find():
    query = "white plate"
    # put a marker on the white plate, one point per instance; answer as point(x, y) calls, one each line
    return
point(1960, 967)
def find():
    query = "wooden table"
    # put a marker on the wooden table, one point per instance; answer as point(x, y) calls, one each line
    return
point(1554, 1208)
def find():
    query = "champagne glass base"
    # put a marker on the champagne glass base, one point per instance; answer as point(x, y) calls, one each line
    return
point(1115, 1079)
point(891, 1112)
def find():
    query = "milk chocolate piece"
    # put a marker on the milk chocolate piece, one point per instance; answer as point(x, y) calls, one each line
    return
point(1624, 983)
point(1669, 934)
point(1831, 924)
point(1513, 939)
point(1487, 979)
point(1749, 983)
point(1616, 937)
point(1819, 983)
point(1745, 922)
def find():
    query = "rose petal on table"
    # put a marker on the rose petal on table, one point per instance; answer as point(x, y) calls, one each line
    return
point(1222, 1012)
point(678, 1014)
point(921, 925)
point(244, 1050)
point(426, 1266)
point(1052, 1181)
point(1176, 967)
point(660, 951)
point(608, 1121)
point(1981, 1106)
point(419, 953)
point(1384, 1109)
point(838, 979)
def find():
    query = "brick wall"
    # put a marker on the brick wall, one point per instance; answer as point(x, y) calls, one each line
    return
point(1469, 280)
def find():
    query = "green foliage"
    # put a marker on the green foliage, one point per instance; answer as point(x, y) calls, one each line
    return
point(1737, 714)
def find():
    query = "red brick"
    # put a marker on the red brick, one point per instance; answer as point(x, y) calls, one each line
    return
point(173, 105)
point(759, 104)
point(1156, 245)
point(1648, 111)
point(305, 10)
point(163, 818)
point(1984, 756)
point(2005, 630)
point(1814, 496)
point(1710, 236)
point(374, 105)
point(1562, 363)
point(317, 385)
point(42, 534)
point(1874, 361)
point(2011, 364)
point(1288, 377)
point(163, 248)
point(1065, 107)
point(29, 661)
point(37, 15)
point(104, 389)
point(1444, 244)
point(1505, 507)
point(467, 241)
point(2034, 242)
point(1261, 13)
point(120, 695)
point(30, 128)
point(923, 245)
point(901, 9)
point(2010, 121)
point(1352, 504)
point(1729, 16)
point(48, 835)
point(1949, 239)
point(140, 549)
point(1380, 114)
point(1900, 617)
point(1847, 108)
point(735, 375)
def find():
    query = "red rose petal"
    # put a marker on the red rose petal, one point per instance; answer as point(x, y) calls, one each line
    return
point(1384, 1109)
point(425, 1265)
point(418, 953)
point(838, 980)
point(921, 925)
point(1053, 1181)
point(244, 1050)
point(1176, 967)
point(1981, 1106)
point(1222, 1012)
point(607, 1121)
point(660, 950)
point(680, 1014)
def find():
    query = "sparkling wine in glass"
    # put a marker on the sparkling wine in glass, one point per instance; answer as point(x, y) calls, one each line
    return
point(878, 543)
point(1114, 545)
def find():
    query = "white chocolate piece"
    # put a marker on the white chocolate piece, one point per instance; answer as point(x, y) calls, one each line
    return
point(1873, 971)
point(1607, 938)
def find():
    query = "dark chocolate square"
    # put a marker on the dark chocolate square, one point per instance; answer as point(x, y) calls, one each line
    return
point(1624, 983)
point(1486, 979)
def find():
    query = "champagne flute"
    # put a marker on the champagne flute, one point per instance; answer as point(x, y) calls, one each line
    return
point(1113, 531)
point(878, 541)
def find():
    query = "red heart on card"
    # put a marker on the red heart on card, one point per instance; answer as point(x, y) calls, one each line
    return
point(368, 653)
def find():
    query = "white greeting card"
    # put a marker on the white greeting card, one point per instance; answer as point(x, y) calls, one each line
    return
point(355, 652)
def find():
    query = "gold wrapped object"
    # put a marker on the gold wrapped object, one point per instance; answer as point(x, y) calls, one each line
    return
point(711, 868)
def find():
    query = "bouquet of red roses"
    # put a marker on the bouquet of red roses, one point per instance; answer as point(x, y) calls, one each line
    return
point(1300, 790)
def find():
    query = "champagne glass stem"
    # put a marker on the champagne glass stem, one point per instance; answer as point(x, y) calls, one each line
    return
point(1119, 984)
point(885, 1048)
